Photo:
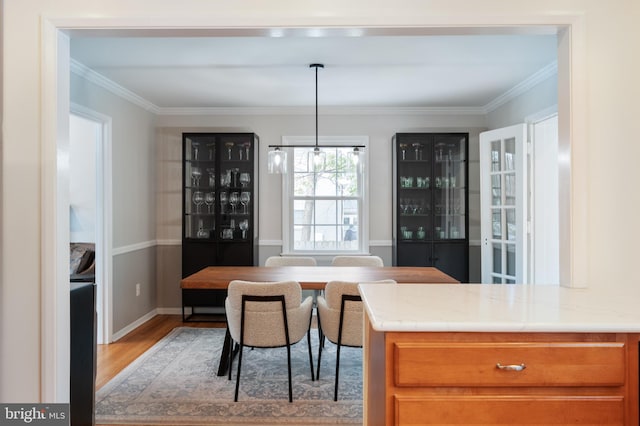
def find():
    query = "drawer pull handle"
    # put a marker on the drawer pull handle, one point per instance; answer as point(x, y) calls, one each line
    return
point(511, 367)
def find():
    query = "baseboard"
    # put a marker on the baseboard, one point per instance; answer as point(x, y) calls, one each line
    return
point(169, 311)
point(137, 323)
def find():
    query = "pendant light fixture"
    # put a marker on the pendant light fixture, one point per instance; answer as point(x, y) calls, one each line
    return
point(277, 158)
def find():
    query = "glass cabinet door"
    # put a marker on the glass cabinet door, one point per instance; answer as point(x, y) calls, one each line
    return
point(200, 186)
point(235, 194)
point(449, 187)
point(414, 189)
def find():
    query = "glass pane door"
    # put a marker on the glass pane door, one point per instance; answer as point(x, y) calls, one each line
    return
point(503, 205)
point(449, 188)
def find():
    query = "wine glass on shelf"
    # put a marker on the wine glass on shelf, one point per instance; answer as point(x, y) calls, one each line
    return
point(198, 199)
point(195, 147)
point(247, 145)
point(229, 146)
point(244, 226)
point(245, 197)
point(233, 200)
point(195, 176)
point(224, 199)
point(208, 200)
point(245, 178)
point(212, 177)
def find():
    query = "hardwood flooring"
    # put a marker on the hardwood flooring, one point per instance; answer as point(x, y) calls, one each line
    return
point(112, 358)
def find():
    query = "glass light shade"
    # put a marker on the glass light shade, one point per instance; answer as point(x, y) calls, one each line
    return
point(316, 160)
point(277, 161)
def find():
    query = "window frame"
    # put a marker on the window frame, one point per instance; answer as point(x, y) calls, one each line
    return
point(288, 196)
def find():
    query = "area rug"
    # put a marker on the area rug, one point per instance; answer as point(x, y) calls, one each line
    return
point(175, 382)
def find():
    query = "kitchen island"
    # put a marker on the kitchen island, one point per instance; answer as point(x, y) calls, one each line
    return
point(500, 354)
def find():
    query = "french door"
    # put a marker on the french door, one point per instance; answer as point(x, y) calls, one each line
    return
point(503, 203)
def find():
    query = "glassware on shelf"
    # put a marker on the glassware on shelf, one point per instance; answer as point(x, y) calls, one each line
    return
point(229, 146)
point(245, 179)
point(212, 149)
point(244, 227)
point(403, 151)
point(245, 198)
point(234, 177)
point(420, 234)
point(224, 199)
point(209, 198)
point(212, 177)
point(417, 147)
point(233, 201)
point(195, 176)
point(198, 199)
point(247, 146)
point(202, 233)
point(195, 146)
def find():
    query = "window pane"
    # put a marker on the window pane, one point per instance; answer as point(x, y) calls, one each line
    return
point(495, 156)
point(511, 224)
point(497, 258)
point(509, 154)
point(496, 223)
point(510, 189)
point(303, 184)
point(496, 190)
point(511, 260)
point(326, 201)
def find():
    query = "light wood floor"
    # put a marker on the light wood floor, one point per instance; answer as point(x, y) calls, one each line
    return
point(112, 358)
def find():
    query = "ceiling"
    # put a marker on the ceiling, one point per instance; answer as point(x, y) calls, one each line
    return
point(440, 71)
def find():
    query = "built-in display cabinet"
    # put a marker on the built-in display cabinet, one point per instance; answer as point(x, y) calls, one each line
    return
point(430, 202)
point(220, 209)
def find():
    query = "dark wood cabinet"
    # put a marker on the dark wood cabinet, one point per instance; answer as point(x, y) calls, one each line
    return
point(219, 211)
point(430, 202)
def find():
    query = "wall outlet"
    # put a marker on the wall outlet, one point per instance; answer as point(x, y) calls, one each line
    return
point(138, 289)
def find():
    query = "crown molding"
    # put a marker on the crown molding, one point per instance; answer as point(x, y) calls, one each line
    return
point(522, 87)
point(110, 85)
point(113, 87)
point(327, 110)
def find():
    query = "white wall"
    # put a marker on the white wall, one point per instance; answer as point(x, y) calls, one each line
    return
point(82, 179)
point(604, 103)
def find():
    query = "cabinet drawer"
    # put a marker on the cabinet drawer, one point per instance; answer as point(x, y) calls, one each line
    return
point(475, 364)
point(509, 410)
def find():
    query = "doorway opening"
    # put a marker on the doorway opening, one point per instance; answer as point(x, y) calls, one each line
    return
point(90, 201)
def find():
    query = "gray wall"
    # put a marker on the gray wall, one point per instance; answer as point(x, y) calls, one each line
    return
point(134, 200)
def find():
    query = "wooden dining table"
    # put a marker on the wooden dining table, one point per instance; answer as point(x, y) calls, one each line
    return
point(312, 277)
point(309, 277)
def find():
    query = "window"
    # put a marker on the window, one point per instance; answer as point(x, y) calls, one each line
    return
point(325, 205)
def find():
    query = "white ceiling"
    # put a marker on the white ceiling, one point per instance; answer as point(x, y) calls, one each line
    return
point(452, 71)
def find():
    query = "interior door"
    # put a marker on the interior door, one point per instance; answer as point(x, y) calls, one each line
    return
point(503, 203)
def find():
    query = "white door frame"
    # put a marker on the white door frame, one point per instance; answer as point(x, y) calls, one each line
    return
point(104, 221)
point(54, 60)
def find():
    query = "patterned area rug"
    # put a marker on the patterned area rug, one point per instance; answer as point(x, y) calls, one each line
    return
point(175, 383)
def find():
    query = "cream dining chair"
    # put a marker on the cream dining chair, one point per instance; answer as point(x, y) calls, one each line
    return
point(290, 261)
point(267, 315)
point(340, 319)
point(357, 261)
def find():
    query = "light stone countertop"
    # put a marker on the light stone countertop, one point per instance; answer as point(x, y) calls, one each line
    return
point(500, 308)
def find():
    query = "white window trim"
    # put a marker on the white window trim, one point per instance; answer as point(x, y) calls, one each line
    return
point(287, 202)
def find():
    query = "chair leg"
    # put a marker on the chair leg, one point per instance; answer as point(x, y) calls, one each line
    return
point(230, 356)
point(310, 354)
point(289, 367)
point(235, 398)
point(320, 346)
point(335, 393)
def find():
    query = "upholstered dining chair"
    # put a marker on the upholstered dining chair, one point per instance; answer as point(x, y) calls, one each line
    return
point(267, 315)
point(290, 261)
point(357, 261)
point(340, 319)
